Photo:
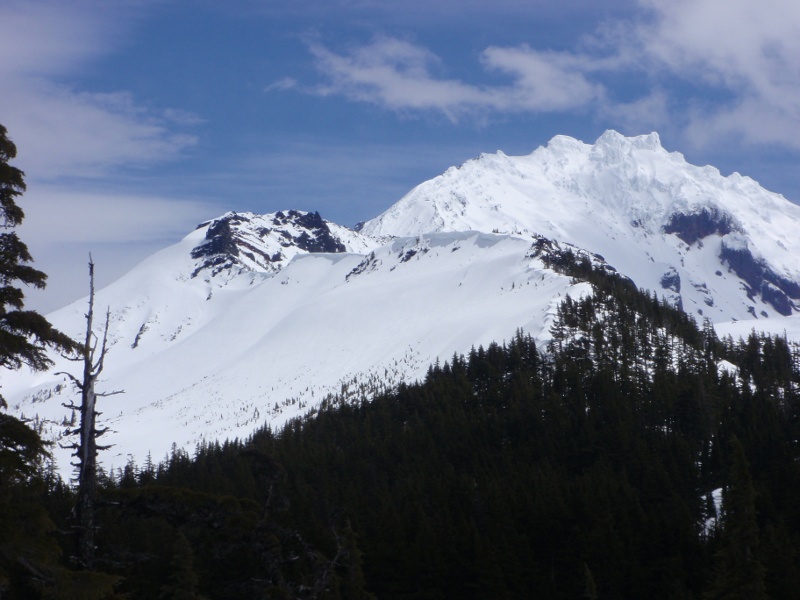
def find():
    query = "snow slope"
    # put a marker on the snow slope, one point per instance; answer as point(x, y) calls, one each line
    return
point(267, 347)
point(788, 327)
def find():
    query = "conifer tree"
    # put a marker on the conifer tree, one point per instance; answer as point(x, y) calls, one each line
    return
point(183, 581)
point(25, 335)
point(739, 573)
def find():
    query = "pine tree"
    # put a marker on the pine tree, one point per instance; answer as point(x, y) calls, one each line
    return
point(25, 335)
point(352, 582)
point(739, 573)
point(183, 581)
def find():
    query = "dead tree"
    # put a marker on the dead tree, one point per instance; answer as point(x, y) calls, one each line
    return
point(86, 448)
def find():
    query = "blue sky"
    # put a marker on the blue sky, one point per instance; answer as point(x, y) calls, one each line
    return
point(137, 119)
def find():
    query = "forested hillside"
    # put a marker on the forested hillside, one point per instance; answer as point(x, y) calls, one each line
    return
point(637, 457)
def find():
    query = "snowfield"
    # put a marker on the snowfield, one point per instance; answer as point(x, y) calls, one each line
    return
point(198, 362)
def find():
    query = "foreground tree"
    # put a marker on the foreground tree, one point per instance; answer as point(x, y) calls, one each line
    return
point(25, 335)
point(28, 554)
point(739, 571)
point(85, 449)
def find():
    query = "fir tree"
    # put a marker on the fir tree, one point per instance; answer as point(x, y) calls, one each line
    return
point(25, 335)
point(739, 573)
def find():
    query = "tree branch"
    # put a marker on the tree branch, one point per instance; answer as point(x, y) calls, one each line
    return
point(74, 379)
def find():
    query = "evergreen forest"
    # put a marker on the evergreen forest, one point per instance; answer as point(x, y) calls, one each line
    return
point(636, 456)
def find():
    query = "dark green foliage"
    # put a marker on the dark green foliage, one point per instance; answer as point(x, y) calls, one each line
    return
point(26, 550)
point(24, 334)
point(506, 474)
point(182, 581)
point(739, 572)
point(31, 561)
point(21, 451)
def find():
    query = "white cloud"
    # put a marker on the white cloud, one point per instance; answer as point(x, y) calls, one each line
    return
point(395, 74)
point(543, 81)
point(63, 131)
point(54, 216)
point(646, 113)
point(66, 133)
point(724, 68)
point(747, 50)
point(59, 132)
point(49, 38)
point(753, 120)
point(282, 85)
point(400, 76)
point(62, 227)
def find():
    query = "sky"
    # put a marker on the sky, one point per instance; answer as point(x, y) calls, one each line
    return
point(136, 120)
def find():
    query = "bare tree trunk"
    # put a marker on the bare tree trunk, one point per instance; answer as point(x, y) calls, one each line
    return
point(87, 450)
point(86, 447)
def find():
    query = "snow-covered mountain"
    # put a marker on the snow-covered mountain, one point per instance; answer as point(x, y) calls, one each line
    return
point(201, 360)
point(255, 318)
point(722, 247)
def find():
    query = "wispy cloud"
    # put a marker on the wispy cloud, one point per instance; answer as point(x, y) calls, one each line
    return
point(734, 62)
point(748, 50)
point(63, 133)
point(399, 75)
point(61, 130)
point(542, 81)
point(283, 84)
point(62, 227)
point(128, 218)
point(66, 133)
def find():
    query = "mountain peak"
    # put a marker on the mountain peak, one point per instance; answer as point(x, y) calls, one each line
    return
point(647, 210)
point(613, 147)
point(614, 139)
point(238, 242)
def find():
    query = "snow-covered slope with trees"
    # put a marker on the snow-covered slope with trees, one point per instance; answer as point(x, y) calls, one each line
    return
point(255, 318)
point(198, 359)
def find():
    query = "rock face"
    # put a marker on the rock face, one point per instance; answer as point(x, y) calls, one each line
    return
point(265, 243)
point(760, 279)
point(696, 226)
point(316, 237)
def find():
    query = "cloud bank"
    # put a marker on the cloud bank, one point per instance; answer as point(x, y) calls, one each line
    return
point(61, 131)
point(400, 76)
point(730, 67)
point(72, 139)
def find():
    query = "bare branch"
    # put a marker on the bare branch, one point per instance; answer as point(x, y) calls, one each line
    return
point(86, 448)
point(74, 379)
point(32, 570)
point(98, 367)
